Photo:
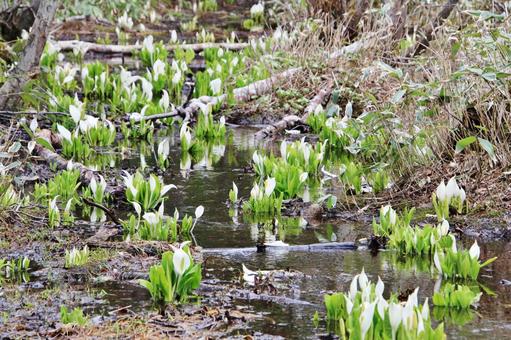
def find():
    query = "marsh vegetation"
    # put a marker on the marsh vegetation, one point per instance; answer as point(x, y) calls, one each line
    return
point(233, 168)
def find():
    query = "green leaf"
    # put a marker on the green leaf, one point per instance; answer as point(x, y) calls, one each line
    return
point(463, 143)
point(488, 147)
point(43, 142)
point(487, 262)
point(455, 48)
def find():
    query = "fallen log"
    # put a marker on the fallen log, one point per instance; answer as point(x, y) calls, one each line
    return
point(317, 100)
point(69, 45)
point(86, 174)
point(241, 94)
point(285, 123)
point(290, 121)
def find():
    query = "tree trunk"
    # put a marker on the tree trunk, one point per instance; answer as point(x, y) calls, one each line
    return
point(9, 92)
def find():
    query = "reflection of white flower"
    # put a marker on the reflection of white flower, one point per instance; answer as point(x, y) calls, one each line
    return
point(164, 148)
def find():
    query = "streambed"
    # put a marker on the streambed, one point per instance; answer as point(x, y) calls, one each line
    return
point(311, 273)
point(285, 305)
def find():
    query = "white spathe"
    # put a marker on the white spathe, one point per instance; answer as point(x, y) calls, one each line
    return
point(474, 251)
point(181, 261)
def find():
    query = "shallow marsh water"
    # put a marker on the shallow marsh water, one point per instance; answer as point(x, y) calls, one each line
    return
point(208, 184)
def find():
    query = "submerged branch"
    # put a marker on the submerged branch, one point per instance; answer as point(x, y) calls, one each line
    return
point(107, 211)
point(328, 246)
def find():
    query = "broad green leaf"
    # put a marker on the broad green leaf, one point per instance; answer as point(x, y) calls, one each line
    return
point(463, 143)
point(455, 48)
point(487, 262)
point(488, 147)
point(43, 142)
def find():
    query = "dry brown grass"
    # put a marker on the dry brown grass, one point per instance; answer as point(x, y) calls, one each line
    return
point(474, 107)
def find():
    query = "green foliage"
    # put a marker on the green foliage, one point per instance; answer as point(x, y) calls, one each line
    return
point(364, 313)
point(151, 52)
point(463, 264)
point(77, 257)
point(264, 200)
point(447, 196)
point(175, 279)
point(146, 193)
point(299, 161)
point(53, 213)
point(75, 317)
point(485, 144)
point(65, 185)
point(8, 196)
point(206, 128)
point(233, 193)
point(455, 316)
point(456, 296)
point(15, 269)
point(208, 5)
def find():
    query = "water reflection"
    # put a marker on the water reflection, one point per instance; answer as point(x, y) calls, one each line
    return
point(207, 180)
